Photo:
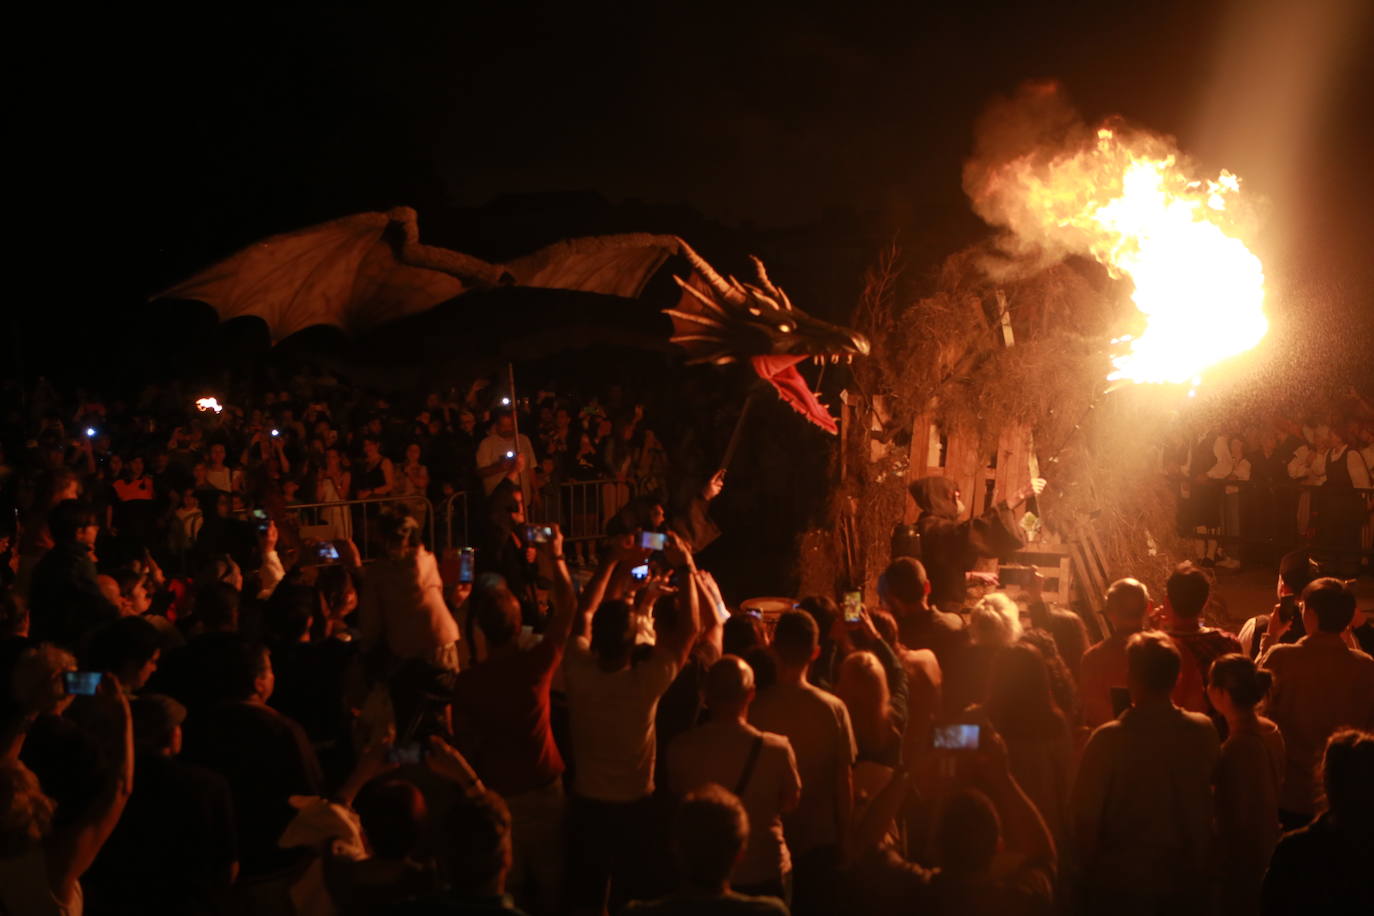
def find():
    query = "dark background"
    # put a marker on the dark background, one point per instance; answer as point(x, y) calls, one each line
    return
point(151, 143)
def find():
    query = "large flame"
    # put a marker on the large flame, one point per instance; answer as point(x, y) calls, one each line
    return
point(1129, 204)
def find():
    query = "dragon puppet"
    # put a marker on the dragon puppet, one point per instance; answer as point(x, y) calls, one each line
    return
point(362, 271)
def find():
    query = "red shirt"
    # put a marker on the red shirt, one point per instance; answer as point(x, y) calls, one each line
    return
point(505, 703)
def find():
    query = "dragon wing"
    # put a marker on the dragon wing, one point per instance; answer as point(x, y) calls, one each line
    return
point(348, 273)
point(364, 270)
point(614, 265)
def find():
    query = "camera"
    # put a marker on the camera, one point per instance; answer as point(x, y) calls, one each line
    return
point(640, 572)
point(537, 534)
point(276, 433)
point(465, 564)
point(260, 521)
point(652, 540)
point(326, 553)
point(81, 683)
point(406, 754)
point(959, 737)
point(853, 606)
point(510, 455)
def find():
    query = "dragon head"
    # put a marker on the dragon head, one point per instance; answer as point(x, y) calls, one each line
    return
point(722, 321)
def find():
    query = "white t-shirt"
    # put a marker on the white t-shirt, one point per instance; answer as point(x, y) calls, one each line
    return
point(494, 447)
point(612, 716)
point(718, 752)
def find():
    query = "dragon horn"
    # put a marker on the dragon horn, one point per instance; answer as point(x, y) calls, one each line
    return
point(761, 295)
point(700, 296)
point(776, 291)
point(708, 273)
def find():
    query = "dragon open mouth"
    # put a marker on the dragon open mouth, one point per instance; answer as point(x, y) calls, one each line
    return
point(781, 372)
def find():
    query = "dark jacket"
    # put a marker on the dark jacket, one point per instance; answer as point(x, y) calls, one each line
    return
point(949, 547)
point(65, 602)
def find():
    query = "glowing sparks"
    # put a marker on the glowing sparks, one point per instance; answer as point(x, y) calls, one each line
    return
point(1128, 203)
point(208, 404)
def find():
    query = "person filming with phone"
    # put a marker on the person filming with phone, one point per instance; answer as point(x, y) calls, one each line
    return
point(503, 455)
point(991, 850)
point(510, 549)
point(503, 703)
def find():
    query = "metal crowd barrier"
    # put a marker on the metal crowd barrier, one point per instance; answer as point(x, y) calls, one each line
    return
point(1286, 514)
point(583, 507)
point(339, 520)
point(455, 507)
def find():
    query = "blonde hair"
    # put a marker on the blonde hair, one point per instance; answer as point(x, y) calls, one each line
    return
point(995, 621)
point(862, 685)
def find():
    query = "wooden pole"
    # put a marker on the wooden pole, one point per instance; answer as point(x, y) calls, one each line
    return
point(514, 405)
point(738, 431)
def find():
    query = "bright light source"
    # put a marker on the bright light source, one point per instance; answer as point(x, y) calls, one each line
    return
point(208, 404)
point(1130, 202)
point(505, 402)
point(90, 432)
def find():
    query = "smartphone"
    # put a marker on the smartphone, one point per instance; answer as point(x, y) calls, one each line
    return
point(640, 572)
point(276, 433)
point(261, 521)
point(853, 606)
point(465, 564)
point(1121, 700)
point(652, 540)
point(510, 455)
point(406, 753)
point(326, 553)
point(959, 737)
point(81, 683)
point(1015, 575)
point(538, 534)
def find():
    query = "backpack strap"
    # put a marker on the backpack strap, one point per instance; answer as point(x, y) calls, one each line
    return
point(748, 773)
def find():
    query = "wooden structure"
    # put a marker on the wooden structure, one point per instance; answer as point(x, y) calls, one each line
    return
point(985, 478)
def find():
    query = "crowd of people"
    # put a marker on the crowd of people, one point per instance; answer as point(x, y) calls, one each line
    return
point(1251, 491)
point(224, 719)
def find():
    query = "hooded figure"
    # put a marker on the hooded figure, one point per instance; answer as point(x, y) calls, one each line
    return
point(950, 547)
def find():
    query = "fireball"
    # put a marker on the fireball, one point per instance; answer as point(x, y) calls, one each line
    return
point(1128, 203)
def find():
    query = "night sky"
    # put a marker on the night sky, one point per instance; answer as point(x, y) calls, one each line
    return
point(155, 143)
